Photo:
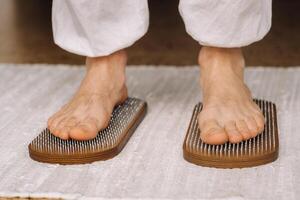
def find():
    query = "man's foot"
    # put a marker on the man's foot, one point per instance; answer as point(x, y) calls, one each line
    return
point(229, 113)
point(90, 109)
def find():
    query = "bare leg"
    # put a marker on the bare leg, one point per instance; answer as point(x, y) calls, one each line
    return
point(228, 114)
point(90, 108)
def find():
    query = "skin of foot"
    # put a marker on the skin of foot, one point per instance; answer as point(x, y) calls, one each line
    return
point(90, 109)
point(229, 113)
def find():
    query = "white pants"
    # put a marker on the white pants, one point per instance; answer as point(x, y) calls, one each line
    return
point(101, 27)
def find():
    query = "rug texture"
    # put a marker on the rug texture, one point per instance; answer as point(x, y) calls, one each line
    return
point(151, 165)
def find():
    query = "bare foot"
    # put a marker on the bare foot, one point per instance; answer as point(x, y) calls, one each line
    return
point(90, 109)
point(229, 113)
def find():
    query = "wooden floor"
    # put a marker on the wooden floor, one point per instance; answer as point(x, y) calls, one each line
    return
point(26, 37)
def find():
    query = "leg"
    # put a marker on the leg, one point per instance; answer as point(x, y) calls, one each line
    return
point(89, 28)
point(229, 113)
point(98, 27)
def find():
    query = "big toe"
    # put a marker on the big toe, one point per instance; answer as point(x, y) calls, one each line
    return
point(212, 133)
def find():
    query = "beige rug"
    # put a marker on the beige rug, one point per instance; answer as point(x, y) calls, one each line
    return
point(151, 165)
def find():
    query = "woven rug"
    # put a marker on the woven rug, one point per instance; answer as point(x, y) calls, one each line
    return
point(151, 165)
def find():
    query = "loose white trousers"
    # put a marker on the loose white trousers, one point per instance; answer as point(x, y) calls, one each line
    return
point(101, 27)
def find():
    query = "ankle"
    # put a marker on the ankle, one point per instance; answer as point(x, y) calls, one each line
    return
point(211, 56)
point(116, 59)
point(106, 73)
point(221, 62)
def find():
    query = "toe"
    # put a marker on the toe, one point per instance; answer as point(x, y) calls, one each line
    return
point(83, 132)
point(56, 132)
point(64, 133)
point(59, 126)
point(54, 124)
point(54, 129)
point(233, 134)
point(65, 127)
point(252, 126)
point(212, 133)
point(243, 129)
point(260, 121)
point(258, 117)
point(53, 118)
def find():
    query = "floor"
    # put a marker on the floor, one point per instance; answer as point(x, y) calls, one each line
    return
point(25, 36)
point(151, 165)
